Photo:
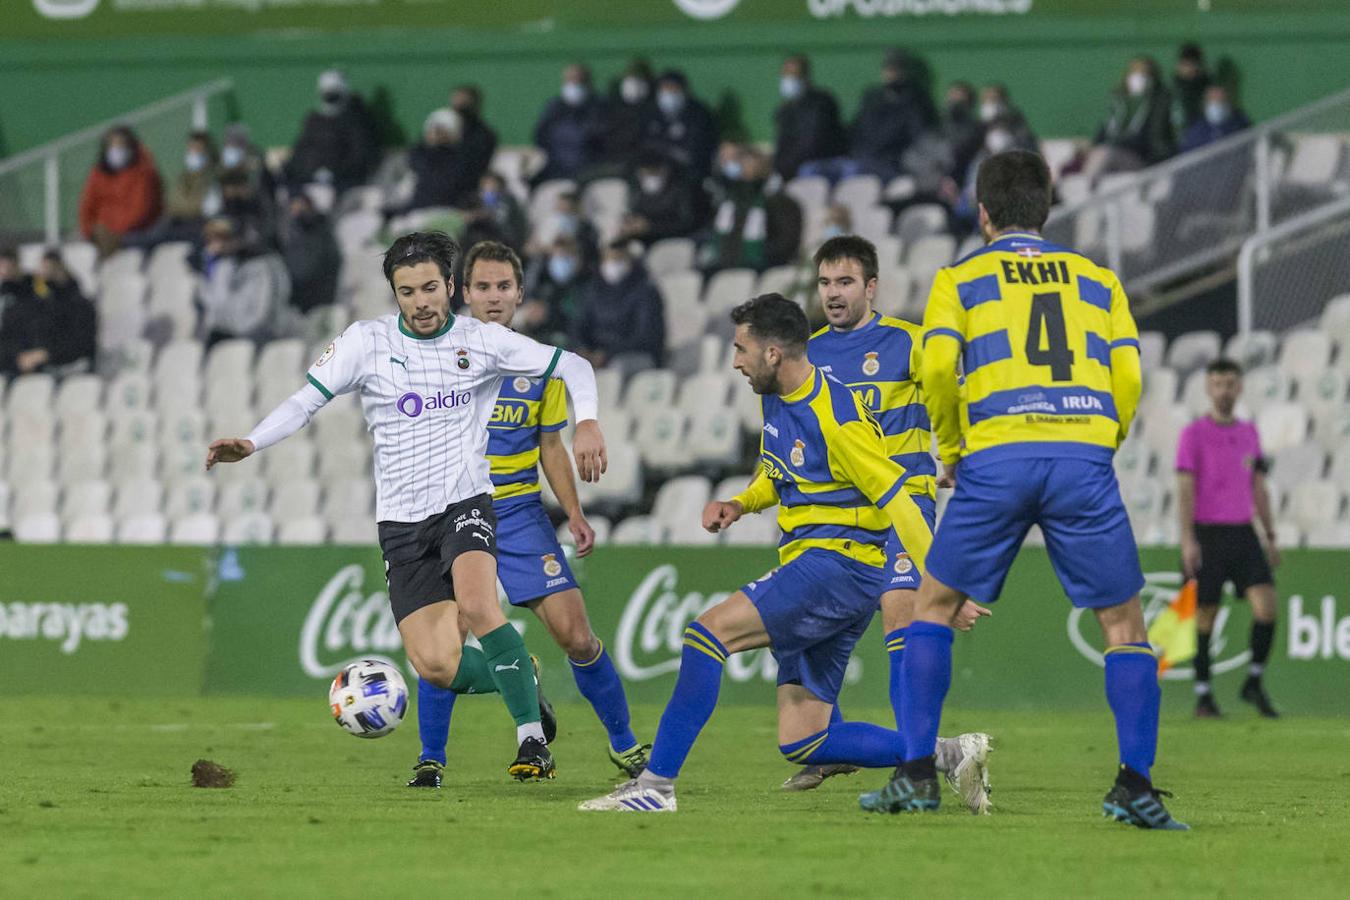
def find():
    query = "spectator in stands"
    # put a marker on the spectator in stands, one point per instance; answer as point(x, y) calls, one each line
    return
point(753, 227)
point(49, 325)
point(806, 123)
point(838, 222)
point(1138, 130)
point(945, 152)
point(337, 145)
point(313, 258)
point(571, 129)
point(1221, 118)
point(478, 142)
point(123, 194)
point(565, 221)
point(683, 128)
point(496, 216)
point(1000, 135)
point(553, 289)
point(1190, 78)
point(631, 107)
point(183, 216)
point(439, 164)
point(997, 106)
point(663, 202)
point(244, 287)
point(621, 321)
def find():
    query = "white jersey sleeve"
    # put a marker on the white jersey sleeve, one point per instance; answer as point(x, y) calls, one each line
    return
point(342, 367)
point(515, 354)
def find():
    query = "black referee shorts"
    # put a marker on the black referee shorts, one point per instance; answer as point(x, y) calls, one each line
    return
point(1229, 553)
point(418, 555)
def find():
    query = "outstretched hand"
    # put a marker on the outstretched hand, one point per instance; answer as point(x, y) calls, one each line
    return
point(588, 446)
point(228, 450)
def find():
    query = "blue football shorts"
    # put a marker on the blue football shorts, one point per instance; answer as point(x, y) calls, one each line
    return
point(1077, 504)
point(530, 561)
point(901, 572)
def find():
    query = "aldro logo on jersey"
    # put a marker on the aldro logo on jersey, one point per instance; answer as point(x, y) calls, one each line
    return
point(413, 404)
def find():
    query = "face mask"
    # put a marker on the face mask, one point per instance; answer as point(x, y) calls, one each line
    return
point(633, 89)
point(1137, 83)
point(565, 224)
point(958, 110)
point(990, 110)
point(732, 170)
point(117, 157)
point(651, 184)
point(195, 161)
point(671, 102)
point(614, 270)
point(790, 87)
point(998, 141)
point(232, 156)
point(330, 104)
point(573, 93)
point(832, 231)
point(490, 198)
point(561, 268)
point(1216, 113)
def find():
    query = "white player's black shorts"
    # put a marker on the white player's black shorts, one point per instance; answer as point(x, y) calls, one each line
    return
point(1229, 553)
point(418, 555)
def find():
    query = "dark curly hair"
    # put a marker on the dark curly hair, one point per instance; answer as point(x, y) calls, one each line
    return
point(419, 247)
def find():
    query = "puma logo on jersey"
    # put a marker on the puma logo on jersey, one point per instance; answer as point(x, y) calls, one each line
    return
point(400, 362)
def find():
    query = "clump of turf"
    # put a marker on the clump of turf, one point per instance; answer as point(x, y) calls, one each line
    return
point(208, 774)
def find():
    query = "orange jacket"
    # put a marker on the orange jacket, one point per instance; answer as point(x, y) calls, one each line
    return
point(122, 201)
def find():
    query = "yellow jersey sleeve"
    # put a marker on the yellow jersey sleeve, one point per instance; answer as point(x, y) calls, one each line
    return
point(759, 495)
point(944, 324)
point(1127, 381)
point(553, 406)
point(858, 455)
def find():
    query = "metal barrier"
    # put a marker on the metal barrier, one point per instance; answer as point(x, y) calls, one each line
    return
point(1287, 274)
point(40, 188)
point(1195, 210)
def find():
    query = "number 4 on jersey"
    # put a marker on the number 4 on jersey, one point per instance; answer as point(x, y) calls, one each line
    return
point(1047, 315)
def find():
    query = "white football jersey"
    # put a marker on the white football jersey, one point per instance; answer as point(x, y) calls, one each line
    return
point(427, 402)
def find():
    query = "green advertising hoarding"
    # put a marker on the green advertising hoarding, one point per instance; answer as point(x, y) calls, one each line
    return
point(102, 620)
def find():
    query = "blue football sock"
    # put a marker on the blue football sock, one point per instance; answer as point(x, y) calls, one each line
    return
point(895, 649)
point(1133, 692)
point(693, 702)
point(599, 684)
point(857, 743)
point(927, 674)
point(434, 706)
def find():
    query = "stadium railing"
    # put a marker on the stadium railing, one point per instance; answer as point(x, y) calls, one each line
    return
point(1195, 210)
point(40, 188)
point(1287, 275)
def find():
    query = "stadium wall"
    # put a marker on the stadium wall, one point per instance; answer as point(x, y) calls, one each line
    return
point(66, 64)
point(281, 621)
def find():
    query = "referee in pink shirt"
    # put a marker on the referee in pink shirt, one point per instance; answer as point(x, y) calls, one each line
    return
point(1221, 481)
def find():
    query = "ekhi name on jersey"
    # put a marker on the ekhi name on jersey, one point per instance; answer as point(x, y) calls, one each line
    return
point(1052, 272)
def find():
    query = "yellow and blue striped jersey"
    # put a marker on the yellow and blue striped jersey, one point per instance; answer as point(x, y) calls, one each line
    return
point(1048, 347)
point(525, 408)
point(823, 460)
point(879, 361)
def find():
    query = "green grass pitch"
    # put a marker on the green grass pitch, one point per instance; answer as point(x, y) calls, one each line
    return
point(95, 801)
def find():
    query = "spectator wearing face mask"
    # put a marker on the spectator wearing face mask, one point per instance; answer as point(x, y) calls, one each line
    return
point(441, 173)
point(123, 194)
point(682, 128)
point(1220, 119)
point(632, 104)
point(337, 145)
point(838, 222)
point(477, 142)
point(621, 321)
point(753, 228)
point(1001, 134)
point(47, 324)
point(184, 208)
point(806, 123)
point(312, 256)
point(566, 221)
point(1138, 129)
point(944, 152)
point(554, 282)
point(496, 216)
point(1190, 79)
point(571, 129)
point(663, 202)
point(996, 106)
point(243, 287)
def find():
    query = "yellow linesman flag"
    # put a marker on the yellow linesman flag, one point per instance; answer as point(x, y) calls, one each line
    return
point(1172, 633)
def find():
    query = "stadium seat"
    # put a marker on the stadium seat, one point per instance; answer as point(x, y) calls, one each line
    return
point(1315, 503)
point(186, 496)
point(1335, 321)
point(1289, 534)
point(728, 289)
point(895, 291)
point(128, 392)
point(638, 530)
point(660, 439)
point(731, 486)
point(94, 528)
point(749, 408)
point(1305, 354)
point(858, 191)
point(1133, 461)
point(360, 532)
point(1316, 160)
point(292, 458)
point(340, 421)
point(599, 524)
point(812, 192)
point(1281, 425)
point(178, 360)
point(308, 531)
point(29, 459)
point(1324, 392)
point(1194, 398)
point(703, 391)
point(622, 484)
point(82, 462)
point(1160, 388)
point(670, 255)
point(249, 528)
point(138, 497)
point(79, 395)
point(294, 498)
point(609, 386)
point(1331, 537)
point(650, 389)
point(920, 221)
point(143, 529)
point(1333, 427)
point(30, 395)
point(37, 528)
point(754, 529)
point(1265, 385)
point(681, 498)
point(81, 258)
point(123, 262)
point(928, 254)
point(690, 533)
point(715, 437)
point(543, 201)
point(1145, 500)
point(86, 498)
point(685, 322)
point(1290, 465)
point(238, 498)
point(778, 280)
point(1339, 470)
point(1152, 349)
point(1193, 350)
point(195, 530)
point(133, 460)
point(230, 361)
point(77, 432)
point(171, 309)
point(167, 258)
point(1255, 348)
point(349, 459)
point(350, 499)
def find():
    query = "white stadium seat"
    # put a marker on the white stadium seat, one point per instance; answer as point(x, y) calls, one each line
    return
point(239, 498)
point(37, 528)
point(660, 439)
point(1281, 425)
point(87, 498)
point(195, 530)
point(1305, 354)
point(188, 496)
point(670, 255)
point(350, 499)
point(706, 390)
point(1255, 348)
point(649, 389)
point(1315, 503)
point(1152, 348)
point(138, 497)
point(79, 395)
point(638, 530)
point(307, 531)
point(294, 498)
point(1290, 465)
point(1265, 385)
point(249, 528)
point(360, 532)
point(94, 528)
point(715, 437)
point(754, 529)
point(145, 529)
point(728, 289)
point(1193, 350)
point(681, 498)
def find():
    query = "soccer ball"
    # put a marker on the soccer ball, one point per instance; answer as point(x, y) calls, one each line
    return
point(368, 698)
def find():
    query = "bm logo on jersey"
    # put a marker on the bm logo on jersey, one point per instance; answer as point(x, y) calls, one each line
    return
point(508, 413)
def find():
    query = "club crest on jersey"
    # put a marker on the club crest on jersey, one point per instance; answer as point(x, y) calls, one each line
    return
point(326, 355)
point(462, 358)
point(871, 365)
point(903, 564)
point(521, 384)
point(798, 453)
point(552, 568)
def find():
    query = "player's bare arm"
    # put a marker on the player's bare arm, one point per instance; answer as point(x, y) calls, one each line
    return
point(558, 470)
